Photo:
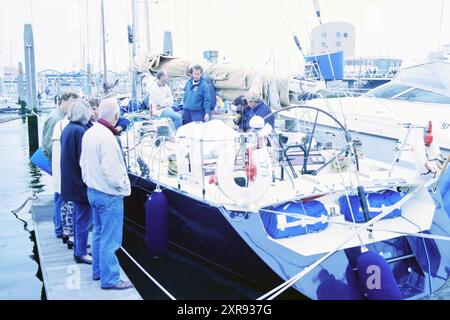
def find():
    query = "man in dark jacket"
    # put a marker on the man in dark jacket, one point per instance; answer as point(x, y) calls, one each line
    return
point(197, 98)
point(241, 110)
point(257, 107)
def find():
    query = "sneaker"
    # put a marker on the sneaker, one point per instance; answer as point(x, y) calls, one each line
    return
point(122, 285)
point(84, 259)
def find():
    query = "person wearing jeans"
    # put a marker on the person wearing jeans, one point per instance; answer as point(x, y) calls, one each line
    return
point(104, 172)
point(51, 134)
point(197, 98)
point(57, 216)
point(161, 100)
point(107, 239)
point(72, 186)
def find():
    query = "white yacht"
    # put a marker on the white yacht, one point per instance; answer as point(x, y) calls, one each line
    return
point(417, 95)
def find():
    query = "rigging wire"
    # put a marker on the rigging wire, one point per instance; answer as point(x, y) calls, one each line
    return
point(304, 21)
point(281, 18)
point(187, 29)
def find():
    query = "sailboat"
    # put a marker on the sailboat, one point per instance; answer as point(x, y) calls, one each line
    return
point(298, 205)
point(292, 208)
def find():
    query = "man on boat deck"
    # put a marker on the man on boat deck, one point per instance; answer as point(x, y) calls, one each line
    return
point(241, 109)
point(161, 99)
point(67, 98)
point(212, 89)
point(257, 107)
point(104, 172)
point(197, 98)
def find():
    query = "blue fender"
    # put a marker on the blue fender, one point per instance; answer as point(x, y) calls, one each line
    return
point(156, 223)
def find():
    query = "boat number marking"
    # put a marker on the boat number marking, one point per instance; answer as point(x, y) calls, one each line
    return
point(445, 126)
point(188, 157)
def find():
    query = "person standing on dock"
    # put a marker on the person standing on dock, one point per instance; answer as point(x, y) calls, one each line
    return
point(94, 103)
point(105, 174)
point(65, 208)
point(197, 98)
point(72, 186)
point(67, 98)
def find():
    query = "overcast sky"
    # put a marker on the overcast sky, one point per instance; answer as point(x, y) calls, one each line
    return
point(246, 32)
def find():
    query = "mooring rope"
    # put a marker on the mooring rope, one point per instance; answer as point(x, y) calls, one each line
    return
point(33, 197)
point(148, 275)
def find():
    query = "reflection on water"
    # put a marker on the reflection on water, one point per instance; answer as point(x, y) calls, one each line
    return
point(35, 178)
point(20, 275)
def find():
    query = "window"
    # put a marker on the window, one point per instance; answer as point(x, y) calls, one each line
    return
point(387, 91)
point(424, 96)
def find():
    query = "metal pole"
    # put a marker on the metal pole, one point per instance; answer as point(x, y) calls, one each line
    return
point(33, 135)
point(30, 66)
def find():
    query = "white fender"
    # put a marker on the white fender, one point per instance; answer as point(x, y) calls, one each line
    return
point(256, 189)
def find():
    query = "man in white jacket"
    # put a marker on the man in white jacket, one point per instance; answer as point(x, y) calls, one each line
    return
point(161, 99)
point(104, 172)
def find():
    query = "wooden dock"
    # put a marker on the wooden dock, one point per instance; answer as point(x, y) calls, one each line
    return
point(63, 278)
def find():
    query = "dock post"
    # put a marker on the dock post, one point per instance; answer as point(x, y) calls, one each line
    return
point(33, 132)
point(33, 138)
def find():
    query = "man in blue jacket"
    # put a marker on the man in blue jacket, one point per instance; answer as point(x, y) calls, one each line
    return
point(197, 98)
point(257, 107)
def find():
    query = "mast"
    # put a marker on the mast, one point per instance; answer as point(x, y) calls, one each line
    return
point(133, 48)
point(147, 25)
point(88, 60)
point(105, 82)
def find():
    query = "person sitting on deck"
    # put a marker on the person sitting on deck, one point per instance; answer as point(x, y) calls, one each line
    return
point(241, 109)
point(161, 99)
point(104, 172)
point(257, 107)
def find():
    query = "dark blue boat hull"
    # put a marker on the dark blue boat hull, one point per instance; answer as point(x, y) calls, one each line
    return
point(241, 248)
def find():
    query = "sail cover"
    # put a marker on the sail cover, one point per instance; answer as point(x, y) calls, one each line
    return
point(230, 81)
